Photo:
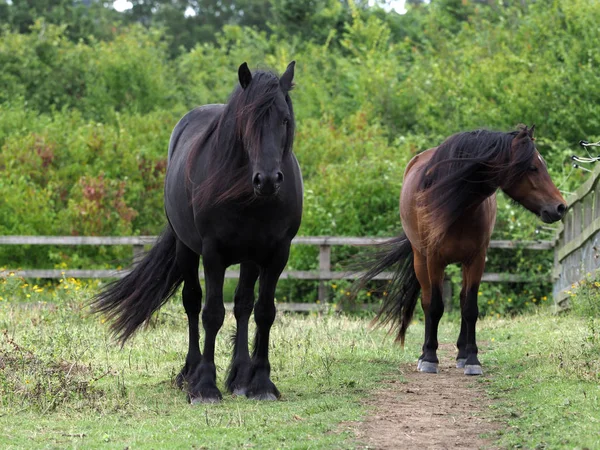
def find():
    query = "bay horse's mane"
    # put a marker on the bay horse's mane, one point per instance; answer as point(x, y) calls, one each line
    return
point(233, 137)
point(466, 168)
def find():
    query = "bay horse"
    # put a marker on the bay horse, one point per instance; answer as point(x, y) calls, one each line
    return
point(233, 194)
point(448, 212)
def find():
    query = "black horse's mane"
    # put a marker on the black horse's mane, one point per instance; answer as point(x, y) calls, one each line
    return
point(468, 167)
point(232, 138)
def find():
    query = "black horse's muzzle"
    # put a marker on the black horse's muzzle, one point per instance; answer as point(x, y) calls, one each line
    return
point(267, 184)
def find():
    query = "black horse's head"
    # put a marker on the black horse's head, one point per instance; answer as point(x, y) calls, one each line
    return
point(247, 143)
point(265, 125)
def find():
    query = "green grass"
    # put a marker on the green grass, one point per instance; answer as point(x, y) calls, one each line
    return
point(69, 384)
point(545, 380)
point(64, 382)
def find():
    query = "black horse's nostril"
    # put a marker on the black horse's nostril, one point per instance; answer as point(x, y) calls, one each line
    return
point(561, 209)
point(278, 178)
point(257, 180)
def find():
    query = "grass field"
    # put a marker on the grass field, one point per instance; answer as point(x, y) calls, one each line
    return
point(64, 383)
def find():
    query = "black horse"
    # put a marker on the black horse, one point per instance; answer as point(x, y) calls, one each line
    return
point(233, 194)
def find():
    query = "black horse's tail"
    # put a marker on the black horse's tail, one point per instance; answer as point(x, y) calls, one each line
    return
point(131, 301)
point(400, 298)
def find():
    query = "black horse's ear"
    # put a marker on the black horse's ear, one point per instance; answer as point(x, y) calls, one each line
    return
point(287, 79)
point(244, 75)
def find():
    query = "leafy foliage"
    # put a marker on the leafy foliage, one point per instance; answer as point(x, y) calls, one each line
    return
point(84, 123)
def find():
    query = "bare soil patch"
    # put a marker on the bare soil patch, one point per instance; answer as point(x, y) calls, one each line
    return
point(447, 410)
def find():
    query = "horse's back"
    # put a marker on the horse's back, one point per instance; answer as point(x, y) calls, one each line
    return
point(408, 201)
point(191, 126)
point(469, 235)
point(178, 202)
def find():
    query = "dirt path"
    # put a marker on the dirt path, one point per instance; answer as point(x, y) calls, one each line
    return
point(447, 410)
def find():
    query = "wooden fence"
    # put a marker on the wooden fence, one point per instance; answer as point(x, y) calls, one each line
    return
point(577, 250)
point(323, 274)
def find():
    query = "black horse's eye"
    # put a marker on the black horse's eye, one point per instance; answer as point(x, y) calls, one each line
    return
point(533, 169)
point(285, 121)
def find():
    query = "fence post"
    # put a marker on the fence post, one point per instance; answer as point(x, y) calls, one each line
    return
point(324, 270)
point(138, 253)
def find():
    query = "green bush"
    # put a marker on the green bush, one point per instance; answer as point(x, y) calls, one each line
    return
point(84, 126)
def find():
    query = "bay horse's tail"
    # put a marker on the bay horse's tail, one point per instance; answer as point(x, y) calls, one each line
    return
point(400, 297)
point(131, 301)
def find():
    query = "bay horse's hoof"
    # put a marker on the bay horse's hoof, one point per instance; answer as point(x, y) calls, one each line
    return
point(461, 362)
point(471, 369)
point(427, 367)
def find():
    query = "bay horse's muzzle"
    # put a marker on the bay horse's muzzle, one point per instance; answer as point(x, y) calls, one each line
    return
point(267, 184)
point(551, 214)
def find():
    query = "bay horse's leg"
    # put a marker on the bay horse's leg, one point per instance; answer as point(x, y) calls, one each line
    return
point(261, 387)
point(203, 387)
point(461, 343)
point(241, 365)
point(188, 262)
point(470, 312)
point(420, 264)
point(434, 309)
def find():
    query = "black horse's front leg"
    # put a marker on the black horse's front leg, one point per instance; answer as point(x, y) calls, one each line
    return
point(261, 387)
point(241, 365)
point(202, 385)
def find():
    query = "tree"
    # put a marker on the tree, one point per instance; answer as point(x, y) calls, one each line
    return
point(83, 18)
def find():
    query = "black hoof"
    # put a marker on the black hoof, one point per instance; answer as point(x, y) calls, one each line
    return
point(239, 378)
point(262, 390)
point(205, 394)
point(472, 369)
point(460, 363)
point(427, 367)
point(239, 391)
point(200, 383)
point(269, 396)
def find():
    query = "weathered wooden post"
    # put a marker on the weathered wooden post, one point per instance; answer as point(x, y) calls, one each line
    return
point(324, 271)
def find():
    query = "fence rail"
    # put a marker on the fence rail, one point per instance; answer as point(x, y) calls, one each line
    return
point(323, 274)
point(577, 250)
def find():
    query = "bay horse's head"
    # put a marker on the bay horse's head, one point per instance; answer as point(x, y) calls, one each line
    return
point(528, 182)
point(265, 125)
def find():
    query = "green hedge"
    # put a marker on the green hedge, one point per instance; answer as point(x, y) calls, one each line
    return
point(84, 126)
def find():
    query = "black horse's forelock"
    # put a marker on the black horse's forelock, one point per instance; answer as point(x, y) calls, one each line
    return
point(234, 137)
point(468, 167)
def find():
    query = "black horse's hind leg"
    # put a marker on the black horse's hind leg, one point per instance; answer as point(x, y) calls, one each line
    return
point(188, 262)
point(470, 313)
point(261, 387)
point(241, 365)
point(202, 387)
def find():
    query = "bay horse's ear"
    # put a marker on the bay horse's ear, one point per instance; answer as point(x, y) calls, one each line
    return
point(244, 75)
point(287, 79)
point(530, 132)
